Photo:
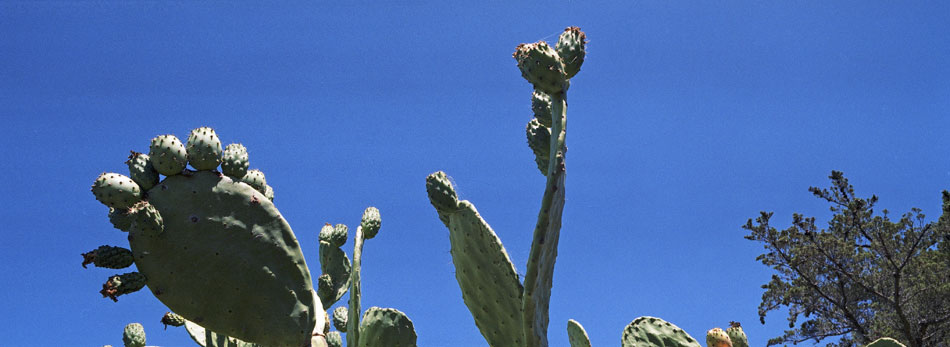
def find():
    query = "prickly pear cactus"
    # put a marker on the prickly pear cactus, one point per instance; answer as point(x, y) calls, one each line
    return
point(211, 247)
point(134, 335)
point(509, 313)
point(386, 327)
point(736, 335)
point(576, 334)
point(655, 332)
point(173, 319)
point(716, 337)
point(885, 342)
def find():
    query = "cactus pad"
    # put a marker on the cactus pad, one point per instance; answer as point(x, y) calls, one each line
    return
point(234, 161)
point(541, 66)
point(108, 257)
point(122, 284)
point(655, 332)
point(204, 149)
point(576, 334)
point(539, 139)
point(339, 318)
point(370, 222)
point(386, 327)
point(226, 260)
point(336, 265)
point(571, 48)
point(141, 170)
point(541, 106)
point(116, 190)
point(134, 335)
point(885, 342)
point(120, 219)
point(167, 155)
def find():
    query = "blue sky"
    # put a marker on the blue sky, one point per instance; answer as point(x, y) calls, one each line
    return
point(686, 120)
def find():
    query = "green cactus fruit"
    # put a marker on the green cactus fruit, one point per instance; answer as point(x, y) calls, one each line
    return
point(146, 219)
point(541, 66)
point(736, 335)
point(119, 285)
point(141, 170)
point(108, 257)
point(170, 318)
point(655, 332)
point(386, 327)
point(339, 318)
point(334, 339)
point(168, 155)
point(116, 190)
point(442, 194)
point(885, 342)
point(539, 139)
point(226, 260)
point(134, 335)
point(333, 261)
point(325, 287)
point(269, 193)
point(255, 178)
point(370, 222)
point(716, 337)
point(541, 106)
point(234, 161)
point(571, 49)
point(576, 334)
point(120, 219)
point(335, 236)
point(204, 149)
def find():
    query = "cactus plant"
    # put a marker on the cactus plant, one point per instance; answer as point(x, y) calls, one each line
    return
point(655, 332)
point(510, 313)
point(885, 342)
point(576, 334)
point(736, 335)
point(134, 335)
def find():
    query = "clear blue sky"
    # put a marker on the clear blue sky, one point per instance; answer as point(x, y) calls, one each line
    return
point(687, 119)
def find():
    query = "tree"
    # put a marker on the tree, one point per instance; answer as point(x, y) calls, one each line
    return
point(865, 276)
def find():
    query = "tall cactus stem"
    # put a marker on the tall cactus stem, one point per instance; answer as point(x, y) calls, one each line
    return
point(353, 321)
point(540, 270)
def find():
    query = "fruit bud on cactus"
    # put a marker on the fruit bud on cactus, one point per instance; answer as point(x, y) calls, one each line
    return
point(167, 155)
point(736, 335)
point(339, 318)
point(371, 222)
point(172, 319)
point(334, 339)
point(141, 170)
point(335, 236)
point(716, 337)
point(541, 106)
point(122, 284)
point(134, 335)
point(108, 257)
point(204, 149)
point(255, 178)
point(120, 219)
point(146, 219)
point(539, 139)
point(116, 190)
point(571, 48)
point(540, 65)
point(234, 161)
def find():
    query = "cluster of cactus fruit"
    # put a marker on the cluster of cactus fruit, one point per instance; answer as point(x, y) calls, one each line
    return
point(213, 247)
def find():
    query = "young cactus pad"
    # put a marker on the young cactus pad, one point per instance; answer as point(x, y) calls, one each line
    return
point(655, 332)
point(216, 251)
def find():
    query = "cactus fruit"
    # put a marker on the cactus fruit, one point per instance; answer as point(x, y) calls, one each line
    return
point(120, 219)
point(122, 284)
point(541, 106)
point(108, 257)
point(716, 337)
point(441, 194)
point(167, 155)
point(571, 49)
point(204, 149)
point(134, 335)
point(339, 318)
point(736, 335)
point(386, 327)
point(146, 219)
point(172, 319)
point(269, 193)
point(141, 170)
point(234, 161)
point(539, 139)
point(655, 332)
point(335, 236)
point(540, 65)
point(116, 190)
point(885, 342)
point(334, 339)
point(255, 178)
point(370, 222)
point(576, 334)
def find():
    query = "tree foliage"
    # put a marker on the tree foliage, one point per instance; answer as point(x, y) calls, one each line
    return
point(862, 277)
